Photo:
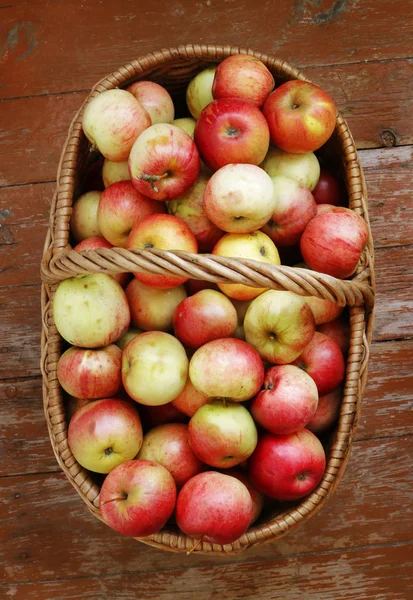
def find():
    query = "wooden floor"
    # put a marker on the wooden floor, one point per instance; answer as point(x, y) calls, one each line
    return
point(360, 546)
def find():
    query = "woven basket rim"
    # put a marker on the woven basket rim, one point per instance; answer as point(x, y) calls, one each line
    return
point(59, 262)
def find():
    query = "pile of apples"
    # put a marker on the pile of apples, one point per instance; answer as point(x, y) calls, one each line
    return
point(200, 403)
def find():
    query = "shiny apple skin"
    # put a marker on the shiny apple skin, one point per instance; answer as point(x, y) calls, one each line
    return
point(243, 76)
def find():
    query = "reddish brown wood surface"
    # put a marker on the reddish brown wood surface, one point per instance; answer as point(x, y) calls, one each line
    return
point(360, 545)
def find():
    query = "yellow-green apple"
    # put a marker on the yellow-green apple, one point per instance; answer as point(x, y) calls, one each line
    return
point(327, 413)
point(303, 168)
point(90, 311)
point(121, 207)
point(114, 171)
point(196, 285)
point(339, 331)
point(190, 208)
point(300, 115)
point(105, 433)
point(164, 232)
point(93, 243)
point(112, 121)
point(333, 241)
point(155, 100)
point(287, 467)
point(152, 416)
point(256, 496)
point(230, 130)
point(294, 208)
point(73, 404)
point(323, 208)
point(222, 434)
point(256, 246)
point(239, 198)
point(199, 91)
point(207, 315)
point(227, 368)
point(288, 401)
point(241, 306)
point(124, 339)
point(84, 222)
point(189, 400)
point(214, 507)
point(279, 325)
point(169, 446)
point(137, 498)
point(323, 360)
point(329, 190)
point(152, 308)
point(154, 368)
point(187, 124)
point(164, 162)
point(323, 310)
point(243, 76)
point(91, 373)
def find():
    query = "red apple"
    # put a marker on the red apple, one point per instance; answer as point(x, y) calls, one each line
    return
point(169, 446)
point(91, 373)
point(256, 496)
point(105, 433)
point(164, 232)
point(287, 402)
point(137, 498)
point(152, 416)
point(279, 325)
point(339, 331)
point(93, 243)
point(121, 207)
point(154, 368)
point(164, 162)
point(300, 115)
point(189, 400)
point(294, 209)
point(323, 360)
point(243, 76)
point(222, 434)
point(214, 507)
point(333, 241)
point(199, 91)
point(190, 208)
point(327, 413)
point(329, 190)
point(230, 130)
point(112, 121)
point(114, 171)
point(203, 317)
point(152, 308)
point(239, 198)
point(287, 467)
point(323, 310)
point(90, 311)
point(83, 222)
point(227, 368)
point(323, 208)
point(155, 100)
point(256, 246)
point(303, 168)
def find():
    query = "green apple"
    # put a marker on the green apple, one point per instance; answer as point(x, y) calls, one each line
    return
point(303, 168)
point(199, 91)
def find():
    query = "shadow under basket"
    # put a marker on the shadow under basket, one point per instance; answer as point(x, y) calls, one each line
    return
point(174, 68)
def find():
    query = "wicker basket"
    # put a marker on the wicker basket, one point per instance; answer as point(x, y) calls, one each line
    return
point(174, 68)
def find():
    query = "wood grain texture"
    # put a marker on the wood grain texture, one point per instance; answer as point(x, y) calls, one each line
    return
point(33, 129)
point(37, 510)
point(299, 31)
point(386, 411)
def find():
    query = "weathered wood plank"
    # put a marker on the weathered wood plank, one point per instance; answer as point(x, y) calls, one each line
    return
point(34, 129)
point(108, 35)
point(40, 509)
point(387, 410)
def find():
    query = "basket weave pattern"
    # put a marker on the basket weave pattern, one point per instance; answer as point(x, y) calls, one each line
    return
point(174, 68)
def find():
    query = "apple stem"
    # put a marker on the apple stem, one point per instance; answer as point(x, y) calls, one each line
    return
point(194, 547)
point(113, 500)
point(151, 179)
